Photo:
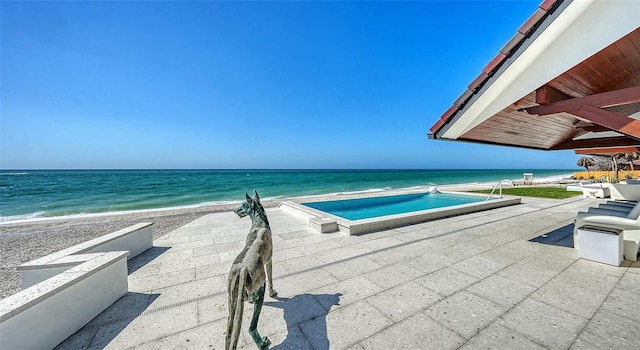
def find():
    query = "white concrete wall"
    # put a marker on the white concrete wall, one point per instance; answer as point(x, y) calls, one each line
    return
point(42, 316)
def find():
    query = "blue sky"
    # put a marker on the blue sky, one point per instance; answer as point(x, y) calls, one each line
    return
point(88, 85)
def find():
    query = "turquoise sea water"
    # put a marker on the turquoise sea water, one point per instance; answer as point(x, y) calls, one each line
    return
point(45, 193)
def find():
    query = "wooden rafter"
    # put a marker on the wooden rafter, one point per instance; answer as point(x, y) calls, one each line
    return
point(607, 151)
point(595, 128)
point(619, 141)
point(613, 121)
point(605, 99)
point(547, 95)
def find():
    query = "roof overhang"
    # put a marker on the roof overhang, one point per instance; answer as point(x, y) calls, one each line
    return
point(569, 79)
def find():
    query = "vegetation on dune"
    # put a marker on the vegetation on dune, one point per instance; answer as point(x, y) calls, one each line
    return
point(541, 192)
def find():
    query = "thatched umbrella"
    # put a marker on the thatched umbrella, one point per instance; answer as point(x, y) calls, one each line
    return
point(629, 157)
point(586, 162)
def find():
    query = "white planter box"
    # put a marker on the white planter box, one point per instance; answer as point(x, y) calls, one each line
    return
point(600, 244)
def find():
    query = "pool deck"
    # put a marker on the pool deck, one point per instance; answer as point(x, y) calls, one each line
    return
point(506, 278)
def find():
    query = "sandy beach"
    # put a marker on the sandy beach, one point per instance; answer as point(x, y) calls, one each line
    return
point(27, 240)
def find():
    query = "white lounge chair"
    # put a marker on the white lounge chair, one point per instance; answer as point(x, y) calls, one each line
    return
point(595, 190)
point(629, 222)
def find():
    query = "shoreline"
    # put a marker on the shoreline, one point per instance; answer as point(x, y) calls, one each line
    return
point(31, 239)
point(230, 205)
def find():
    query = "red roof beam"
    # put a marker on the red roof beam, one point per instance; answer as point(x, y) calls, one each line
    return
point(605, 99)
point(607, 151)
point(614, 121)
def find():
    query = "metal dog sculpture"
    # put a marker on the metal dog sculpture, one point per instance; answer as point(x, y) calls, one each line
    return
point(249, 273)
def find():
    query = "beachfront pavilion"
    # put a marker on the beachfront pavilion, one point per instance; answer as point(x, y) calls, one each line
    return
point(569, 79)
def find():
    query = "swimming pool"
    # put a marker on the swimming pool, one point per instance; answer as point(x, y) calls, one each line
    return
point(365, 208)
point(364, 215)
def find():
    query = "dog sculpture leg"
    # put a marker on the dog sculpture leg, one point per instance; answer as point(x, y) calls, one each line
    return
point(236, 306)
point(272, 292)
point(258, 299)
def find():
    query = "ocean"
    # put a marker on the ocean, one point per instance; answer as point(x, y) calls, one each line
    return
point(32, 194)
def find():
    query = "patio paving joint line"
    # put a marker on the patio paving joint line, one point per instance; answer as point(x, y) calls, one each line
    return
point(151, 311)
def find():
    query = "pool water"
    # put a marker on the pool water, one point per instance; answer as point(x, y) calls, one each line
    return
point(365, 208)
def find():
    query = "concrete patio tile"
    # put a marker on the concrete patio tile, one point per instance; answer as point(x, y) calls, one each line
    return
point(623, 303)
point(610, 331)
point(127, 308)
point(431, 261)
point(630, 282)
point(501, 290)
point(579, 344)
point(210, 270)
point(352, 267)
point(307, 262)
point(537, 269)
point(211, 249)
point(382, 243)
point(280, 244)
point(187, 263)
point(188, 291)
point(515, 250)
point(146, 328)
point(391, 256)
point(146, 284)
point(298, 234)
point(498, 337)
point(145, 271)
point(598, 268)
point(227, 238)
point(391, 276)
point(404, 300)
point(348, 292)
point(337, 330)
point(446, 281)
point(287, 254)
point(352, 251)
point(501, 256)
point(207, 336)
point(176, 255)
point(590, 277)
point(325, 244)
point(297, 283)
point(213, 308)
point(416, 332)
point(562, 251)
point(564, 295)
point(465, 313)
point(192, 244)
point(475, 247)
point(479, 266)
point(544, 324)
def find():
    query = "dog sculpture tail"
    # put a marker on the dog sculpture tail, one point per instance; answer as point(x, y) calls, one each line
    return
point(236, 307)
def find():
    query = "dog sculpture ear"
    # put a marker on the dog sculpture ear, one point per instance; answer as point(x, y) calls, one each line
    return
point(255, 196)
point(249, 200)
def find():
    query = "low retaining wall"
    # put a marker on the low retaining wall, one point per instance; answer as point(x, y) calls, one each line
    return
point(65, 290)
point(135, 239)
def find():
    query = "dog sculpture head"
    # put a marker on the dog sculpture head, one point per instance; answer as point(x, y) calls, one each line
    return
point(251, 206)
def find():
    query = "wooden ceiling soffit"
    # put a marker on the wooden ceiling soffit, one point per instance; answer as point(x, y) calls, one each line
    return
point(607, 151)
point(619, 141)
point(588, 108)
